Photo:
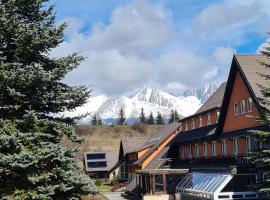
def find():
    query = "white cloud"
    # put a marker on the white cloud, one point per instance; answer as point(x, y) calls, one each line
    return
point(131, 50)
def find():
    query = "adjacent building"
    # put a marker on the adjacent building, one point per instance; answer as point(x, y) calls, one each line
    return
point(99, 165)
point(211, 150)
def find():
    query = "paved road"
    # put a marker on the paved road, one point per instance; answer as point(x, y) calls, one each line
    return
point(113, 195)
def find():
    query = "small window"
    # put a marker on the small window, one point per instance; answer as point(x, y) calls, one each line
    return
point(182, 152)
point(249, 104)
point(235, 146)
point(214, 152)
point(208, 119)
point(192, 123)
point(196, 150)
point(186, 126)
point(242, 107)
point(200, 121)
point(217, 116)
point(190, 151)
point(205, 149)
point(235, 109)
point(248, 145)
point(224, 148)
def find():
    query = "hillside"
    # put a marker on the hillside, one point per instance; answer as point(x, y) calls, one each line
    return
point(107, 138)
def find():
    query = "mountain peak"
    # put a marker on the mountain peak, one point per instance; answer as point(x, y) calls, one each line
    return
point(202, 93)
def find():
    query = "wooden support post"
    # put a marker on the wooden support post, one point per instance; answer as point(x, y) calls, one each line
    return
point(154, 183)
point(164, 183)
point(137, 185)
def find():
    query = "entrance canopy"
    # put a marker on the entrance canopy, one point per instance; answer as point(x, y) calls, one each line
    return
point(210, 186)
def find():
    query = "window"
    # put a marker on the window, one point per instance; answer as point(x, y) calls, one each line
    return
point(190, 151)
point(214, 148)
point(242, 107)
point(248, 145)
point(96, 164)
point(182, 152)
point(196, 150)
point(235, 146)
point(224, 148)
point(192, 123)
point(208, 119)
point(217, 116)
point(205, 149)
point(235, 109)
point(186, 126)
point(95, 156)
point(249, 104)
point(200, 121)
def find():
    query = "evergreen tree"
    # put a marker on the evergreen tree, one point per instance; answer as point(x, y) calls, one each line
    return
point(34, 164)
point(94, 120)
point(142, 117)
point(99, 120)
point(159, 119)
point(121, 117)
point(151, 120)
point(174, 116)
point(261, 157)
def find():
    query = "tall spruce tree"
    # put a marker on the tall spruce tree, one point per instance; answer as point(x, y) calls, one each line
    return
point(121, 120)
point(34, 164)
point(150, 120)
point(261, 157)
point(159, 119)
point(174, 116)
point(142, 117)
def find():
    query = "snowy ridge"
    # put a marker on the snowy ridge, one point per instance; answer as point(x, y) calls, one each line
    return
point(150, 99)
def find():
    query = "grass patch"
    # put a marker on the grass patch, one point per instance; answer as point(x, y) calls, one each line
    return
point(105, 188)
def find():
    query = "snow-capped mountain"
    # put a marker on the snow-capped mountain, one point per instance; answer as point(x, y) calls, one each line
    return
point(150, 99)
point(203, 93)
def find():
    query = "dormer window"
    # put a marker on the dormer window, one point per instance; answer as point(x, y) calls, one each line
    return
point(186, 126)
point(192, 123)
point(235, 109)
point(200, 121)
point(242, 107)
point(249, 104)
point(217, 116)
point(208, 119)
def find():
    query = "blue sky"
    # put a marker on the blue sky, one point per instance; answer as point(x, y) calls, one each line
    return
point(169, 44)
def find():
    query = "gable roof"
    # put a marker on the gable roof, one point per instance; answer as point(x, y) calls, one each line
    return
point(161, 135)
point(214, 101)
point(248, 66)
point(130, 143)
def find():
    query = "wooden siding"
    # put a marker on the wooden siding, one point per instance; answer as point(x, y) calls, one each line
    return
point(142, 152)
point(239, 92)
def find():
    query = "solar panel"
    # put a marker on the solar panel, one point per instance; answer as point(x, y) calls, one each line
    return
point(99, 164)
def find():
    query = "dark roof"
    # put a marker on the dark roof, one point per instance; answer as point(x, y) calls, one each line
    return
point(162, 134)
point(214, 101)
point(250, 66)
point(111, 159)
point(195, 134)
point(158, 160)
point(130, 143)
point(242, 132)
